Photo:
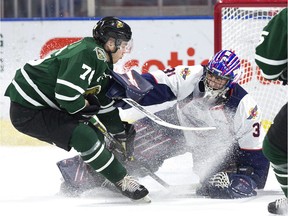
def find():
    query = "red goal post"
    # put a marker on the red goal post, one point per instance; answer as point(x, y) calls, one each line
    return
point(237, 26)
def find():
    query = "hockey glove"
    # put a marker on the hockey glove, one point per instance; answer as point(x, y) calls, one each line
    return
point(224, 185)
point(93, 108)
point(126, 139)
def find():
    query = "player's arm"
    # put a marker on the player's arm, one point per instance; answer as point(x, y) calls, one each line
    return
point(170, 84)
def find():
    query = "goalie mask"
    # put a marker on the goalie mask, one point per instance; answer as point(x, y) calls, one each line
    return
point(112, 27)
point(221, 73)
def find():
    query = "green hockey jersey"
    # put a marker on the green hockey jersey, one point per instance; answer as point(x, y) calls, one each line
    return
point(61, 80)
point(271, 53)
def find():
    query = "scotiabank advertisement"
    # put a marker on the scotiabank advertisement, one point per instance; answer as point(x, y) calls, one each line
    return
point(157, 43)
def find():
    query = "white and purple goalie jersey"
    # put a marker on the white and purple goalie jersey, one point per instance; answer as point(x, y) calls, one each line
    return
point(236, 142)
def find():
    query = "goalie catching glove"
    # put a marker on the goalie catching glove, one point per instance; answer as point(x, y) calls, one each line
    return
point(225, 185)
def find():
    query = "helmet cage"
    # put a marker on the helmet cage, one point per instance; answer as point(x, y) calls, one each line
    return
point(224, 65)
point(218, 76)
point(212, 92)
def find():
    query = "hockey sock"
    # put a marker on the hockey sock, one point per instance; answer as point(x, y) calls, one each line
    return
point(278, 160)
point(93, 152)
point(281, 176)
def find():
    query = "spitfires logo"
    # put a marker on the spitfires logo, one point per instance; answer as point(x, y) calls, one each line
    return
point(253, 113)
point(185, 72)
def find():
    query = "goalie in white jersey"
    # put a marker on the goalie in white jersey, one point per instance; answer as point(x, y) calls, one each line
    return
point(229, 160)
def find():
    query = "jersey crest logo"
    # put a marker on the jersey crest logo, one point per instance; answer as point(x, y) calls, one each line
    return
point(253, 113)
point(185, 72)
point(101, 55)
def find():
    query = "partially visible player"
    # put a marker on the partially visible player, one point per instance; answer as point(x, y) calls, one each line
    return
point(53, 99)
point(229, 160)
point(271, 57)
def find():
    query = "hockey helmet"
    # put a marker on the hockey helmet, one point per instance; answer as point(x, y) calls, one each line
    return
point(223, 70)
point(112, 27)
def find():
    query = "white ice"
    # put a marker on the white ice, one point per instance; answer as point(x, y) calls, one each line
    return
point(30, 181)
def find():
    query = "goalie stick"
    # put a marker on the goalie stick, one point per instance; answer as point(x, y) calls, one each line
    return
point(159, 121)
point(166, 185)
point(135, 87)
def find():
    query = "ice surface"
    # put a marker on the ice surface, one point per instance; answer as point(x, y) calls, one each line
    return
point(30, 181)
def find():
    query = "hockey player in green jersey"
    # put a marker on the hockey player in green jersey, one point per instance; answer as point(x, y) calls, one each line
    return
point(271, 57)
point(53, 99)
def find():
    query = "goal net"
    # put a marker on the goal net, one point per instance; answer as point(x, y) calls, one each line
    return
point(238, 26)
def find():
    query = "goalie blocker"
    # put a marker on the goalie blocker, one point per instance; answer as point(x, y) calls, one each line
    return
point(128, 86)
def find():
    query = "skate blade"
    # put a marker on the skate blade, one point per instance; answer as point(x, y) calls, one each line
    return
point(145, 199)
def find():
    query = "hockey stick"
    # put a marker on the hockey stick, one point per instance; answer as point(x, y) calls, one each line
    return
point(159, 121)
point(99, 125)
point(135, 88)
point(166, 185)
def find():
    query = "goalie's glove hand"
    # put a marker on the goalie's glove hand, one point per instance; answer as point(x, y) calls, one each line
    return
point(93, 107)
point(225, 185)
point(126, 139)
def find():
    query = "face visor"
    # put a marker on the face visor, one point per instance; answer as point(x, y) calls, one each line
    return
point(125, 46)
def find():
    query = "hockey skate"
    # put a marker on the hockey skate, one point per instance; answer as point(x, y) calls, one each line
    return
point(279, 206)
point(130, 188)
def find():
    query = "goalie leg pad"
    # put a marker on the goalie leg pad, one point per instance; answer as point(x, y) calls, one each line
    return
point(78, 176)
point(155, 143)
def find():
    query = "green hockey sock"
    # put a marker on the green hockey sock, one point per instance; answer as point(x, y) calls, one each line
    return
point(85, 140)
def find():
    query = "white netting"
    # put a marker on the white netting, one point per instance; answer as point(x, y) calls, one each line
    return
point(241, 30)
